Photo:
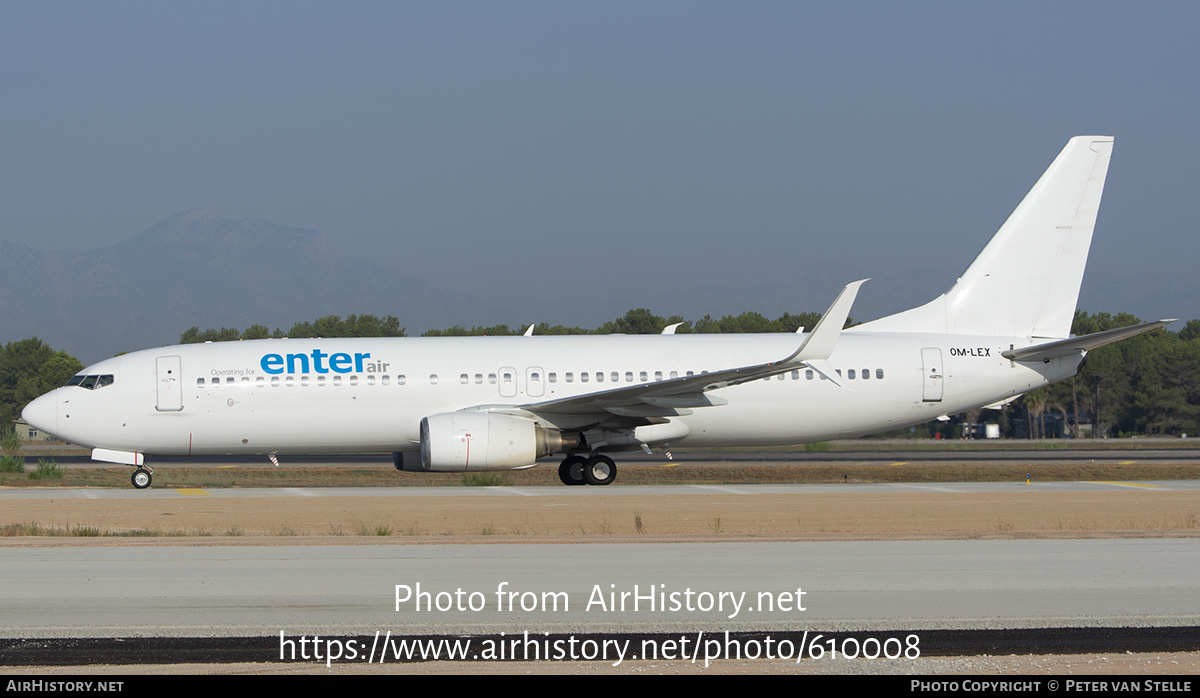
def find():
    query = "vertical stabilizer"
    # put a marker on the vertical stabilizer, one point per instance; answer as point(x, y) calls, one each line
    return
point(1025, 282)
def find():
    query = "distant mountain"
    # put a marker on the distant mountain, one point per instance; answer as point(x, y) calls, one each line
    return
point(196, 268)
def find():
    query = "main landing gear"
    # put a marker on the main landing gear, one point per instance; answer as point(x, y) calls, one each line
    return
point(141, 478)
point(596, 470)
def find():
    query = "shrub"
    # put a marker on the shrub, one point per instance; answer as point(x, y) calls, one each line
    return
point(47, 470)
point(10, 441)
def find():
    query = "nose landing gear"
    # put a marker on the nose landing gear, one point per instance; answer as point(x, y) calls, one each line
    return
point(141, 477)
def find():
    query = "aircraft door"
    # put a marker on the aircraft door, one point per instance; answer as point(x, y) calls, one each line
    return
point(508, 381)
point(931, 360)
point(170, 384)
point(534, 383)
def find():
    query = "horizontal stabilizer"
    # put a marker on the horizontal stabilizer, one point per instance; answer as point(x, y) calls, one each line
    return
point(1067, 347)
point(999, 404)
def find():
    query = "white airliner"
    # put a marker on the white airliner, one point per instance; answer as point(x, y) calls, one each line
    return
point(500, 403)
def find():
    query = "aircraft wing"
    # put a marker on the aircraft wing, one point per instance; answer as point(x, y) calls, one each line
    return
point(667, 397)
point(1074, 345)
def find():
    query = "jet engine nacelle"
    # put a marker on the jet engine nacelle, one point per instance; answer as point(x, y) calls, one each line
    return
point(484, 441)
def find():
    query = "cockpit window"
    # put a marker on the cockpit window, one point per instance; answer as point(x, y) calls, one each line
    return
point(92, 382)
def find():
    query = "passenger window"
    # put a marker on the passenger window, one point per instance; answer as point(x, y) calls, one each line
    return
point(644, 377)
point(303, 381)
point(464, 378)
point(690, 373)
point(796, 375)
point(866, 374)
point(478, 379)
point(491, 379)
point(337, 380)
point(658, 375)
point(260, 381)
point(400, 379)
point(599, 376)
point(382, 379)
point(274, 381)
point(674, 374)
point(290, 381)
point(321, 381)
point(199, 382)
point(583, 377)
point(229, 380)
point(371, 379)
point(535, 376)
point(433, 379)
point(615, 377)
point(879, 373)
point(245, 380)
point(552, 377)
point(808, 375)
point(850, 374)
point(570, 377)
point(353, 380)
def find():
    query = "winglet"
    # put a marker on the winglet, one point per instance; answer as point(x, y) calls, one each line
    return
point(820, 342)
point(670, 329)
point(529, 332)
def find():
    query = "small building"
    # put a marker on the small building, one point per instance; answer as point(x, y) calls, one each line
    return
point(31, 433)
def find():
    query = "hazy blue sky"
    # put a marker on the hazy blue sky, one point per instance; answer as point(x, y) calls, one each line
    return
point(530, 147)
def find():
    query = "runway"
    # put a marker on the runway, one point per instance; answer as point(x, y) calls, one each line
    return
point(857, 586)
point(232, 597)
point(594, 492)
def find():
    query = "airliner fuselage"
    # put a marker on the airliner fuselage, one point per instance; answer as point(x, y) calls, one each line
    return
point(331, 395)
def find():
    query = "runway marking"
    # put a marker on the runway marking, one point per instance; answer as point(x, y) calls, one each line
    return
point(730, 490)
point(1126, 462)
point(226, 466)
point(925, 487)
point(901, 462)
point(296, 490)
point(1129, 484)
point(190, 491)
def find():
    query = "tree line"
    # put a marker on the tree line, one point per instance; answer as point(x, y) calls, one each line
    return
point(1145, 385)
point(29, 368)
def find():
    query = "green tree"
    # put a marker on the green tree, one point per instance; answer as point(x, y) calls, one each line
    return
point(460, 331)
point(29, 368)
point(636, 321)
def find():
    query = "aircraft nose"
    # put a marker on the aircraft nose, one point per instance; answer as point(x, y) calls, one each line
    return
point(43, 413)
